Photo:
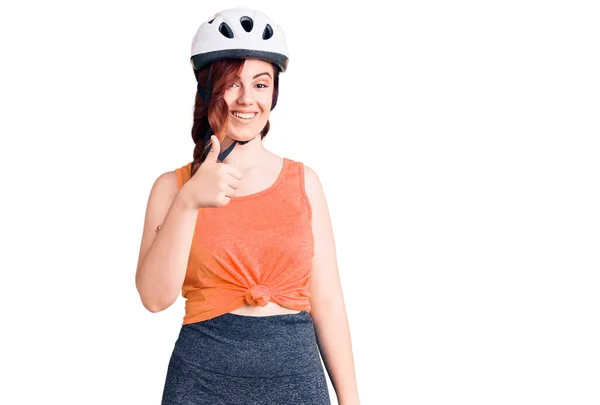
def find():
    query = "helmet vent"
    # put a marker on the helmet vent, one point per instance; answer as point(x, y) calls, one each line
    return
point(225, 30)
point(268, 32)
point(247, 23)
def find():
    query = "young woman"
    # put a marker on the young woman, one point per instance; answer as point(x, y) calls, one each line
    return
point(245, 236)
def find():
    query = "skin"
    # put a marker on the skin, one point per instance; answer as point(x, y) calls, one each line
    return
point(253, 92)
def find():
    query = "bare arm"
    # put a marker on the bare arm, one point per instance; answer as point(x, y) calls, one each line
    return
point(166, 241)
point(327, 302)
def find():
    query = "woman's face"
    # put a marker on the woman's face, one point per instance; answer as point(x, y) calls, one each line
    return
point(249, 100)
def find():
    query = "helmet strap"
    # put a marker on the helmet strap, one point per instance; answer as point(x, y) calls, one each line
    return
point(205, 95)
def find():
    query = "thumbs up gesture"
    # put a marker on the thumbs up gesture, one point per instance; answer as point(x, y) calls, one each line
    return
point(214, 183)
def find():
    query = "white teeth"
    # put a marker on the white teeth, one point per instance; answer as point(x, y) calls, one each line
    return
point(245, 116)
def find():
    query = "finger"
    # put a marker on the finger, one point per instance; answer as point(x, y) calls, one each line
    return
point(234, 183)
point(230, 191)
point(215, 149)
point(226, 199)
point(236, 173)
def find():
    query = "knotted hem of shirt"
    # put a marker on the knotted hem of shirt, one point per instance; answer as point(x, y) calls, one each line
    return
point(258, 294)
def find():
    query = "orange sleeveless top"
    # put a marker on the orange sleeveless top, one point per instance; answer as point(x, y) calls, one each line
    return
point(256, 249)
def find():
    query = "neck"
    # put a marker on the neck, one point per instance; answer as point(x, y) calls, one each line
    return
point(244, 157)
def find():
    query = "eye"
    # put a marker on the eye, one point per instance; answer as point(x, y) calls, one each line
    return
point(264, 86)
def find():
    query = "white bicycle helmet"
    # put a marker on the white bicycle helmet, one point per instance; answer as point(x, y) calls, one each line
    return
point(239, 33)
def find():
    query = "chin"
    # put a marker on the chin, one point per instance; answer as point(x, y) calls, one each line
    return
point(241, 137)
point(244, 135)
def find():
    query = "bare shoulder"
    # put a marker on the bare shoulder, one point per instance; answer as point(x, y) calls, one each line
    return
point(166, 184)
point(316, 197)
point(312, 184)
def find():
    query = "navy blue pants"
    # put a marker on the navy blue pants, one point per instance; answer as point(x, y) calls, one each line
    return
point(247, 360)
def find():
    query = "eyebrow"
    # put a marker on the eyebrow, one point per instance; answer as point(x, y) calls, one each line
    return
point(263, 73)
point(258, 75)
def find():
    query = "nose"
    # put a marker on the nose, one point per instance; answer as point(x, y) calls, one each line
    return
point(245, 96)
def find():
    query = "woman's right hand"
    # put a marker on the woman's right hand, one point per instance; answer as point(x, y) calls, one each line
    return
point(214, 183)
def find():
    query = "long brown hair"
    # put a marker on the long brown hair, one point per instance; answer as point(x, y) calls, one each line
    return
point(223, 75)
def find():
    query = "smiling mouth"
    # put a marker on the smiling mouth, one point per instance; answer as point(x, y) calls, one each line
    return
point(243, 116)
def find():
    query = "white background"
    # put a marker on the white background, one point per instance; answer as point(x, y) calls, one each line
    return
point(457, 143)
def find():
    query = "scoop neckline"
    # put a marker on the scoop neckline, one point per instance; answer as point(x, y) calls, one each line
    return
point(266, 190)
